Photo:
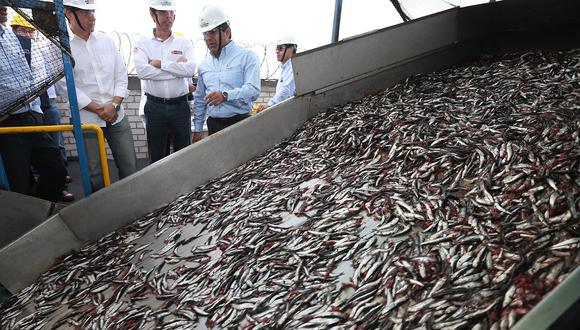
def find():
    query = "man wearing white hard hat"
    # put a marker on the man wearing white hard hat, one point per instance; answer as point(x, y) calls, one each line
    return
point(101, 85)
point(165, 63)
point(286, 87)
point(228, 79)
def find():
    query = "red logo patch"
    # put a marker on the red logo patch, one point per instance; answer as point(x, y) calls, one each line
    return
point(177, 52)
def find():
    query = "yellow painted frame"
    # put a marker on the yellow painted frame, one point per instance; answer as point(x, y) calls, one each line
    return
point(68, 128)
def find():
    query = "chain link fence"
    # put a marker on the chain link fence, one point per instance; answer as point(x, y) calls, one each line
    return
point(30, 54)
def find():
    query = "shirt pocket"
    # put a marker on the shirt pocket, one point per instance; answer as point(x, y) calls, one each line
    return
point(233, 76)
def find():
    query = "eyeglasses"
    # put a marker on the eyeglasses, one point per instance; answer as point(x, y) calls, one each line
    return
point(211, 32)
point(281, 47)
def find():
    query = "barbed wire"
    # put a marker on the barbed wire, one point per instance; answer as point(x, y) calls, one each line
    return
point(269, 65)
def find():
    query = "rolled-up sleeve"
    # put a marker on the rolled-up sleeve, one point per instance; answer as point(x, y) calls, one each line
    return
point(82, 99)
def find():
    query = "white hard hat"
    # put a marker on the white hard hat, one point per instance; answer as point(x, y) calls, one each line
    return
point(81, 4)
point(286, 40)
point(211, 17)
point(165, 5)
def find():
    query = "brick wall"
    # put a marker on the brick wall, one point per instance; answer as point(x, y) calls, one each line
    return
point(131, 104)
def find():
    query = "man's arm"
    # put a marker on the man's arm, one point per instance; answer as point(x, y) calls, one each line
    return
point(144, 69)
point(199, 104)
point(282, 93)
point(121, 76)
point(86, 103)
point(82, 99)
point(185, 66)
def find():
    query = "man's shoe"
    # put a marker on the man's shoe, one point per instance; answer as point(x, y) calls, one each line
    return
point(67, 196)
point(68, 179)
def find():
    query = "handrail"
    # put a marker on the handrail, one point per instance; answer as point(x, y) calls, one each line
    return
point(61, 128)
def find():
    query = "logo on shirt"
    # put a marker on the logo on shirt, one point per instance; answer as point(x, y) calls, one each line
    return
point(177, 52)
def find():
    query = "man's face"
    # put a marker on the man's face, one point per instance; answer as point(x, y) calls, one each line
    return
point(212, 40)
point(86, 19)
point(3, 15)
point(24, 31)
point(163, 19)
point(284, 56)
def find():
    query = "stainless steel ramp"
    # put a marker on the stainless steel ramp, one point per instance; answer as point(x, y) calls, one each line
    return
point(161, 183)
point(20, 213)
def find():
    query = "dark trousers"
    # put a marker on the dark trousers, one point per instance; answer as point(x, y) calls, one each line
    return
point(163, 119)
point(215, 125)
point(21, 151)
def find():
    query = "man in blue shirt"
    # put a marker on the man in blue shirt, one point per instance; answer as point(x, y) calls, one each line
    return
point(20, 151)
point(286, 87)
point(228, 79)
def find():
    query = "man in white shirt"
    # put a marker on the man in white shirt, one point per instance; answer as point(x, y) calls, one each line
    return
point(101, 82)
point(286, 87)
point(165, 62)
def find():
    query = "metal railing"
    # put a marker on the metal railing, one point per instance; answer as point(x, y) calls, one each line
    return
point(57, 128)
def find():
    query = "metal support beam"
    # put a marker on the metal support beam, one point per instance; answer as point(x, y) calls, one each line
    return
point(72, 97)
point(336, 25)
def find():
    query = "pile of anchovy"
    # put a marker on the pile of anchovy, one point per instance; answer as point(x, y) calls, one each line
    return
point(450, 200)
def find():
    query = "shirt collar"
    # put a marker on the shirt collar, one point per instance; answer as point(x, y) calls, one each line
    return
point(287, 64)
point(227, 48)
point(155, 37)
point(93, 35)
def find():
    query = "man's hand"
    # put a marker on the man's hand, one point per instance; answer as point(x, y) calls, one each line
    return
point(191, 88)
point(155, 63)
point(197, 136)
point(108, 113)
point(262, 107)
point(214, 98)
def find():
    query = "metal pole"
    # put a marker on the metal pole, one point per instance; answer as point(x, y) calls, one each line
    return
point(72, 98)
point(3, 177)
point(336, 25)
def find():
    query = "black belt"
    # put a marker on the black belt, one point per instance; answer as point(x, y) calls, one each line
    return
point(173, 100)
point(231, 120)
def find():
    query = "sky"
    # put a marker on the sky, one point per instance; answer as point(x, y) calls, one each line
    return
point(258, 23)
point(262, 21)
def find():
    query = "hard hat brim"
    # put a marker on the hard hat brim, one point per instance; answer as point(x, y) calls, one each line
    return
point(211, 26)
point(163, 8)
point(84, 7)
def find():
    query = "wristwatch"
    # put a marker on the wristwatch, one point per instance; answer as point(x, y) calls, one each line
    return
point(117, 106)
point(225, 95)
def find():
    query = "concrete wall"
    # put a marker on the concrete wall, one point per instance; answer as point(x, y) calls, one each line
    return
point(131, 104)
